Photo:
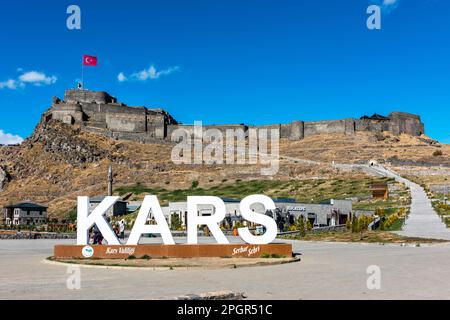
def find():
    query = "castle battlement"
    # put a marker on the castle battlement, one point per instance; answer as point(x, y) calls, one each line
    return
point(97, 111)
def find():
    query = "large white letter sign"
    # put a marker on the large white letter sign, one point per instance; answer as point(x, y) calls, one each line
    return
point(259, 218)
point(211, 221)
point(85, 220)
point(140, 226)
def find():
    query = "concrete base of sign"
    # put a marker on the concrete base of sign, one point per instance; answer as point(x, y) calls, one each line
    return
point(173, 263)
point(173, 251)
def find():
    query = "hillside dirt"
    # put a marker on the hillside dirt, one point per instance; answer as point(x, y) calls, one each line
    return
point(60, 162)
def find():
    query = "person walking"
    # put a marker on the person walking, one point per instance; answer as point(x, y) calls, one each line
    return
point(122, 229)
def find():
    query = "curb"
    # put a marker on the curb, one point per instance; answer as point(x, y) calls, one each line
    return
point(170, 268)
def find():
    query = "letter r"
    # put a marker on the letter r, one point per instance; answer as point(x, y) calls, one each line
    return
point(211, 221)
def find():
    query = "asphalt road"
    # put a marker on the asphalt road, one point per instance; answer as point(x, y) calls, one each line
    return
point(326, 271)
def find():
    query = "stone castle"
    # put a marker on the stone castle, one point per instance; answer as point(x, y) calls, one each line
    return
point(101, 113)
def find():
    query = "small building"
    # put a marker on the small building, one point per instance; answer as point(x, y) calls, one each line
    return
point(380, 191)
point(25, 213)
point(118, 209)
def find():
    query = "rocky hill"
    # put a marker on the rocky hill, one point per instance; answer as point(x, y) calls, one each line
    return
point(60, 162)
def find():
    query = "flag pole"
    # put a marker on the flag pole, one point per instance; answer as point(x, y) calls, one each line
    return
point(82, 74)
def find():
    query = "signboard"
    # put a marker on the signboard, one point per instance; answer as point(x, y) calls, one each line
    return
point(87, 219)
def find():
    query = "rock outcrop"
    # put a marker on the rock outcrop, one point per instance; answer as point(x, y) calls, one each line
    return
point(4, 177)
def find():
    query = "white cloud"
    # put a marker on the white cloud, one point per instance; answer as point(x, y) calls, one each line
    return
point(9, 84)
point(121, 77)
point(30, 77)
point(151, 73)
point(7, 138)
point(37, 78)
point(389, 2)
point(386, 5)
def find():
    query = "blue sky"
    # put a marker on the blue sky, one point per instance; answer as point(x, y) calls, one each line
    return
point(233, 61)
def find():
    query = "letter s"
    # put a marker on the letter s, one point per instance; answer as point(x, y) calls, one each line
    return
point(259, 218)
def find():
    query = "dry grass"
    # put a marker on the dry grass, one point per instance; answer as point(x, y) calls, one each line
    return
point(49, 178)
point(367, 237)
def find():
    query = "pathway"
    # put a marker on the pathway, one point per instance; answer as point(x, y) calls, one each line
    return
point(422, 220)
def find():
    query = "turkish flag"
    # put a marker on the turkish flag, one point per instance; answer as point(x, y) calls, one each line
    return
point(89, 60)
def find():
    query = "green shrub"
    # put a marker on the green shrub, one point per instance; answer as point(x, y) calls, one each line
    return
point(175, 221)
point(301, 226)
point(355, 224)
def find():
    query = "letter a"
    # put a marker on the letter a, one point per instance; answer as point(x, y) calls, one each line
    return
point(140, 226)
point(74, 20)
point(374, 21)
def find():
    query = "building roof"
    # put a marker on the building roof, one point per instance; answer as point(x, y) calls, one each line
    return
point(229, 199)
point(375, 116)
point(288, 200)
point(100, 199)
point(26, 205)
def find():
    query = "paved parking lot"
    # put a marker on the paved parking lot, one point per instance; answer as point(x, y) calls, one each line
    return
point(327, 271)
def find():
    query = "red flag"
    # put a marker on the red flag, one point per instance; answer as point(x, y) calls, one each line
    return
point(89, 60)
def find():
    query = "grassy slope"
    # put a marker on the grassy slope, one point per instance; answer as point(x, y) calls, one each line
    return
point(308, 191)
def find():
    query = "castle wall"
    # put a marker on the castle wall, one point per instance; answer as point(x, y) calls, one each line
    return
point(293, 131)
point(406, 123)
point(195, 135)
point(67, 113)
point(101, 113)
point(126, 122)
point(85, 96)
point(156, 125)
point(372, 125)
point(324, 127)
point(350, 126)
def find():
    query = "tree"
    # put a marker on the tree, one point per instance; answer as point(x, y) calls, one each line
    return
point(380, 212)
point(175, 221)
point(363, 223)
point(308, 225)
point(355, 224)
point(301, 225)
point(348, 224)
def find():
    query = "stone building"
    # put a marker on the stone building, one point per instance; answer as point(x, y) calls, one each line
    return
point(99, 112)
point(329, 213)
point(24, 213)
